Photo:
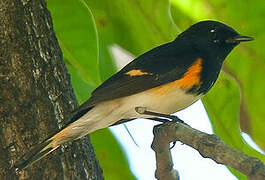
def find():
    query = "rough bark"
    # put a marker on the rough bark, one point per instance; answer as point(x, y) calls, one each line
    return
point(36, 95)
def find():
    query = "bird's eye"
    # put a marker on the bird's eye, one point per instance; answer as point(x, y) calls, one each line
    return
point(213, 33)
point(212, 30)
point(216, 41)
point(214, 36)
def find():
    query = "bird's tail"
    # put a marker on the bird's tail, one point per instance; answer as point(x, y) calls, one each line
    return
point(71, 132)
point(44, 148)
point(35, 154)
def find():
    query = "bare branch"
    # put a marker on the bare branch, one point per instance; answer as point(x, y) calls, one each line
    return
point(164, 164)
point(209, 146)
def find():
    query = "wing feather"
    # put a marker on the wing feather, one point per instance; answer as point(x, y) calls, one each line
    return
point(158, 66)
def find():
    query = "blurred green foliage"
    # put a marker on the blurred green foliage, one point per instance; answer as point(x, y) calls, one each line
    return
point(87, 28)
point(77, 35)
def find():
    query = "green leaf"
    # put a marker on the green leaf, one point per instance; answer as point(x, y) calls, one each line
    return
point(106, 62)
point(236, 101)
point(111, 157)
point(221, 102)
point(138, 26)
point(75, 29)
point(246, 63)
point(249, 67)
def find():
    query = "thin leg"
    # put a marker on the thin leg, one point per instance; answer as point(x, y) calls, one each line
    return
point(142, 110)
point(153, 119)
point(158, 119)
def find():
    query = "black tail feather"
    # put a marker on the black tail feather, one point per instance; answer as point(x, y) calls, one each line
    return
point(34, 155)
point(49, 145)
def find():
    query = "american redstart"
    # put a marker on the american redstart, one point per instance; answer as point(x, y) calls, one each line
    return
point(165, 79)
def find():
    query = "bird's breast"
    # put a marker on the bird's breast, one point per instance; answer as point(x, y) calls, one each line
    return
point(165, 99)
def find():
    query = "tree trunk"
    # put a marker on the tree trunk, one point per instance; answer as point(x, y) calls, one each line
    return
point(36, 96)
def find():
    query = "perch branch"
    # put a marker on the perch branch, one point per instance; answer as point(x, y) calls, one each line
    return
point(209, 146)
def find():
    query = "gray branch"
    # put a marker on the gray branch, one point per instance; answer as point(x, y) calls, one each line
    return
point(209, 146)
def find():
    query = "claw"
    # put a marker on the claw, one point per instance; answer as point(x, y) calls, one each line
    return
point(174, 143)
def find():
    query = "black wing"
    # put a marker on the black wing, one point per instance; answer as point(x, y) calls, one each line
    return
point(161, 65)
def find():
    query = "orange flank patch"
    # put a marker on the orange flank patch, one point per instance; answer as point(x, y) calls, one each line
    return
point(190, 79)
point(136, 72)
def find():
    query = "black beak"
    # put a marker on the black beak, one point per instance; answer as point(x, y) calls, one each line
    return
point(238, 39)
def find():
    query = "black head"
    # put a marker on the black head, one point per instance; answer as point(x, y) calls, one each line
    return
point(213, 38)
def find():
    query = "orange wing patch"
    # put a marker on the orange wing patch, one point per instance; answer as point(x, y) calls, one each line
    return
point(136, 72)
point(190, 79)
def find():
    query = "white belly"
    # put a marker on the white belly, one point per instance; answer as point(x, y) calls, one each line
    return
point(167, 104)
point(107, 113)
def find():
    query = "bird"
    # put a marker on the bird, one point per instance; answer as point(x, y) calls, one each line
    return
point(165, 79)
